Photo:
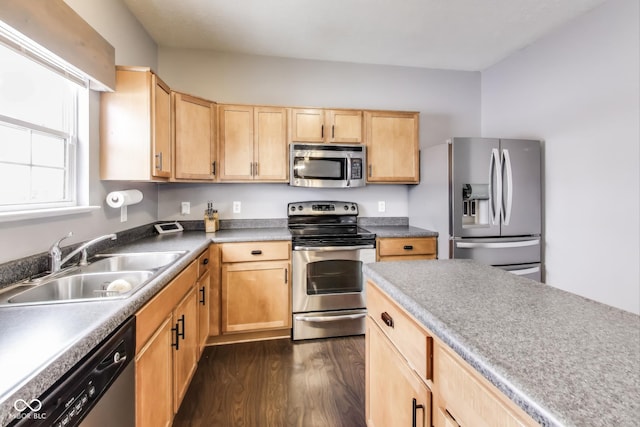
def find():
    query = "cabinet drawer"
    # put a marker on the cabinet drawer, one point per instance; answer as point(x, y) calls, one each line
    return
point(406, 246)
point(203, 262)
point(255, 251)
point(463, 395)
point(404, 333)
point(153, 313)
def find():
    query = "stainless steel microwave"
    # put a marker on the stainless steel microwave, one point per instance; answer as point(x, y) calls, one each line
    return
point(327, 165)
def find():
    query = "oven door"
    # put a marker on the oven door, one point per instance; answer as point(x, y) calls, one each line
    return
point(329, 278)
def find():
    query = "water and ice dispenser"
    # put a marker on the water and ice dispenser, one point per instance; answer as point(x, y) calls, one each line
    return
point(475, 205)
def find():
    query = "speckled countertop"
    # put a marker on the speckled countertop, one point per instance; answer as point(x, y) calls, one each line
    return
point(564, 359)
point(399, 231)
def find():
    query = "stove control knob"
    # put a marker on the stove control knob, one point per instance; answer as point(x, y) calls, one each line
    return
point(300, 207)
point(353, 208)
point(293, 208)
point(346, 208)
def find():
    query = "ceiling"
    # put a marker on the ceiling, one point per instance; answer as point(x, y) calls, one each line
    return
point(447, 34)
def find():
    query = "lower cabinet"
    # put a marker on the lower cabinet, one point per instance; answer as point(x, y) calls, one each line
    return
point(255, 296)
point(167, 348)
point(255, 288)
point(396, 396)
point(405, 248)
point(154, 378)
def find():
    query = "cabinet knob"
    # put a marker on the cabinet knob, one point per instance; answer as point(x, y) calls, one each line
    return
point(387, 319)
point(205, 261)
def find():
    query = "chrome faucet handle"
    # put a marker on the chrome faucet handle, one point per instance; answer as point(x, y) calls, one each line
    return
point(56, 244)
point(55, 253)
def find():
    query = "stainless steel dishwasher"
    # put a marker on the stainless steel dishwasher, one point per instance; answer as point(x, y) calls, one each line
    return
point(99, 391)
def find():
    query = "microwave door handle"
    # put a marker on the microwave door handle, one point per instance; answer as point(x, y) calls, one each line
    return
point(348, 171)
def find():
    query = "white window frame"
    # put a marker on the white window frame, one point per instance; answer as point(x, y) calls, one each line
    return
point(76, 164)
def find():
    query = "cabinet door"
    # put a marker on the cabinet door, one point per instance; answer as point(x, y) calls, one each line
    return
point(161, 128)
point(255, 296)
point(307, 125)
point(194, 145)
point(185, 356)
point(236, 143)
point(154, 380)
point(270, 144)
point(344, 126)
point(214, 289)
point(204, 303)
point(395, 395)
point(392, 147)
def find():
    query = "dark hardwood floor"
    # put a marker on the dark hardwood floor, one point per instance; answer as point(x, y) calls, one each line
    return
point(318, 383)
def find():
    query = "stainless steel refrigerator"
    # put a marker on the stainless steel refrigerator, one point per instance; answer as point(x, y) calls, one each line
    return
point(483, 197)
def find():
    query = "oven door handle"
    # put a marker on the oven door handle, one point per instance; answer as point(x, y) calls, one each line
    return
point(332, 248)
point(319, 319)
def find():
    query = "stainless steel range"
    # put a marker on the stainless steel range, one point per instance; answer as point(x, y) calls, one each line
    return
point(328, 292)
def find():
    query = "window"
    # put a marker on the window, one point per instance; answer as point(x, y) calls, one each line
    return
point(39, 111)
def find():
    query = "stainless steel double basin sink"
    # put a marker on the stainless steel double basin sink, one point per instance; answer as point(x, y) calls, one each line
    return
point(108, 277)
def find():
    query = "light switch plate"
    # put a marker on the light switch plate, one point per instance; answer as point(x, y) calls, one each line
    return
point(185, 208)
point(237, 207)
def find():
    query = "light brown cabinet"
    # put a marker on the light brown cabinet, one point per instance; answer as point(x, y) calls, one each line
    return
point(399, 397)
point(399, 348)
point(203, 288)
point(194, 138)
point(392, 147)
point(406, 248)
point(166, 349)
point(135, 127)
point(255, 281)
point(185, 359)
point(320, 125)
point(253, 143)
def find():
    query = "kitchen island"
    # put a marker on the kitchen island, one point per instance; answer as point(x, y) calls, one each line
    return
point(562, 359)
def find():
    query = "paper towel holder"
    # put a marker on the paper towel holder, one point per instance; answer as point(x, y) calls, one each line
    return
point(123, 198)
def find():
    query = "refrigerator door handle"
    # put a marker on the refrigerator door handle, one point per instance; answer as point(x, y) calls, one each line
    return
point(506, 164)
point(497, 245)
point(496, 196)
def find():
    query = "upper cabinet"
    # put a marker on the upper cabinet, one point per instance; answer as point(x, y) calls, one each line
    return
point(392, 147)
point(319, 125)
point(253, 143)
point(194, 138)
point(135, 127)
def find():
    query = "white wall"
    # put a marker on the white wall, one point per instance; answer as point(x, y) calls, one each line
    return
point(578, 89)
point(448, 102)
point(133, 46)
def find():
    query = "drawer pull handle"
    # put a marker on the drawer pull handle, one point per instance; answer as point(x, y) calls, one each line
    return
point(415, 410)
point(408, 247)
point(387, 319)
point(256, 252)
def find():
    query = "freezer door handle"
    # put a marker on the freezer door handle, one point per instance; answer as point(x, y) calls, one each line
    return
point(495, 193)
point(506, 208)
point(525, 271)
point(497, 245)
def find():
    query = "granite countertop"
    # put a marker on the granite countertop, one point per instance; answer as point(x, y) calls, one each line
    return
point(40, 343)
point(564, 359)
point(400, 231)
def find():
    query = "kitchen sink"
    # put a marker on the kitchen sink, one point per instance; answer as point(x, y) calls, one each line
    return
point(131, 261)
point(107, 277)
point(86, 286)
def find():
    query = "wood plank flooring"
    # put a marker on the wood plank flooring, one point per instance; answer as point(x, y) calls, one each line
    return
point(317, 383)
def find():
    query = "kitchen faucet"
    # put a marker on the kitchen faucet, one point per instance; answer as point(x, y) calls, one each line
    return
point(55, 253)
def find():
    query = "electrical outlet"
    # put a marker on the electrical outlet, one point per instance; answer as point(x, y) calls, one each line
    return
point(382, 206)
point(237, 207)
point(185, 208)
